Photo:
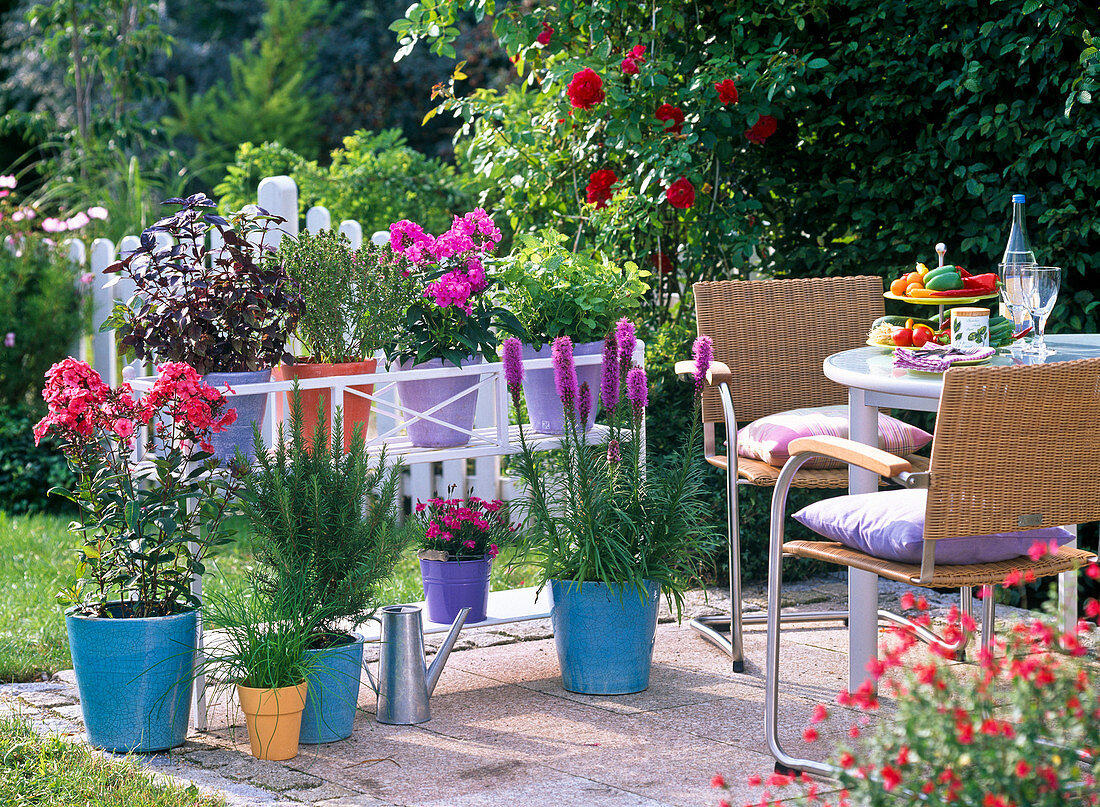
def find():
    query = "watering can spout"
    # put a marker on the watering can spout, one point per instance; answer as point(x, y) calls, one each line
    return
point(445, 650)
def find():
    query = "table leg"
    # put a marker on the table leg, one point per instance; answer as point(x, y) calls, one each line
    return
point(1067, 591)
point(862, 586)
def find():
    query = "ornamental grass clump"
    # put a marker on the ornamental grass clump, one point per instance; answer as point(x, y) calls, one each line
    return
point(454, 317)
point(1022, 729)
point(143, 532)
point(604, 512)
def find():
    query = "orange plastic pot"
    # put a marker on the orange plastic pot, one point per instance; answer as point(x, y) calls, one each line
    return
point(356, 409)
point(274, 719)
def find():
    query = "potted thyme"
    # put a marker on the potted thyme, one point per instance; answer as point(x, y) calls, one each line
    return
point(354, 303)
point(142, 536)
point(555, 292)
point(459, 539)
point(450, 322)
point(325, 520)
point(226, 311)
point(607, 530)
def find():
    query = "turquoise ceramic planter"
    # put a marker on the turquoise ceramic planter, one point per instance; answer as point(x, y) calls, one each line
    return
point(332, 693)
point(134, 677)
point(604, 636)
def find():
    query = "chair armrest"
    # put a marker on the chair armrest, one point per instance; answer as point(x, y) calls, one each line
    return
point(718, 373)
point(874, 459)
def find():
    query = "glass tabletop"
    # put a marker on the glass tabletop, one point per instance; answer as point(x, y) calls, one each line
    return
point(872, 368)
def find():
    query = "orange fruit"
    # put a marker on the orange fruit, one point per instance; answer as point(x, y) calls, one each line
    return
point(898, 287)
point(909, 289)
point(914, 277)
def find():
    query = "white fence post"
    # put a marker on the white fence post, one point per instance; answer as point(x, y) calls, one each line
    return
point(279, 196)
point(354, 231)
point(317, 219)
point(78, 256)
point(104, 352)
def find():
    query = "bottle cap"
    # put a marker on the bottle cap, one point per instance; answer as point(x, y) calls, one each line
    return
point(1018, 198)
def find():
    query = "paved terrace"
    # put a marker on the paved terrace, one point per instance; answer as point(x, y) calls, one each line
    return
point(504, 732)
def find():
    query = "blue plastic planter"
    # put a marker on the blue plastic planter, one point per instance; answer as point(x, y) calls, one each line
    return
point(451, 585)
point(250, 409)
point(333, 693)
point(604, 636)
point(134, 677)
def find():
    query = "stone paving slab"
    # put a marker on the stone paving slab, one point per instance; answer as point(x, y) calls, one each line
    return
point(504, 730)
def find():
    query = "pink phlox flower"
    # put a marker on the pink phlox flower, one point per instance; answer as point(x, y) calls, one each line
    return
point(9, 339)
point(8, 181)
point(87, 278)
point(409, 239)
point(475, 275)
point(123, 427)
point(98, 212)
point(78, 221)
point(52, 225)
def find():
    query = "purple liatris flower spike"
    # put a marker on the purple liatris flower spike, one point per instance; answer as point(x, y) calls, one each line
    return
point(637, 390)
point(565, 373)
point(613, 454)
point(584, 404)
point(609, 378)
point(704, 355)
point(624, 335)
point(512, 355)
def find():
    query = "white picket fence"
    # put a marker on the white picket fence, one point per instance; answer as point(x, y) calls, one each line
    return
point(279, 195)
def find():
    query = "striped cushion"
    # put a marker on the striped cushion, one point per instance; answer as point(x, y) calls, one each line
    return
point(768, 439)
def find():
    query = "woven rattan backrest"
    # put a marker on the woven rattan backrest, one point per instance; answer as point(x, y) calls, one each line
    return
point(775, 334)
point(1015, 448)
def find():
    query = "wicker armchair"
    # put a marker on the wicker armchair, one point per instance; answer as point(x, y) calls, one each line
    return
point(1050, 417)
point(770, 340)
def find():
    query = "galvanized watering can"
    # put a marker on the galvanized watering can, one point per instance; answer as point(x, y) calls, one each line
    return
point(405, 682)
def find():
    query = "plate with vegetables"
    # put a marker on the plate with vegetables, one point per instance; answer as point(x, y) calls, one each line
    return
point(943, 284)
point(891, 332)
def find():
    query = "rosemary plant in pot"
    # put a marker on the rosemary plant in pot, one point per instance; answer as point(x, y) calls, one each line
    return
point(608, 531)
point(451, 321)
point(325, 519)
point(142, 535)
point(354, 303)
point(227, 311)
point(555, 292)
point(459, 539)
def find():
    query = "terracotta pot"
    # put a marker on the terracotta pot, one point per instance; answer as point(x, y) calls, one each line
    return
point(274, 719)
point(356, 409)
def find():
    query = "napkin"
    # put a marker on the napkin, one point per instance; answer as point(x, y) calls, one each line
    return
point(938, 358)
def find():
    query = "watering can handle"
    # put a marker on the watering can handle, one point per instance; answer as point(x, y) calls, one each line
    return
point(366, 669)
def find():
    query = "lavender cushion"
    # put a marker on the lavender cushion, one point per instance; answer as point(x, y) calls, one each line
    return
point(769, 438)
point(890, 525)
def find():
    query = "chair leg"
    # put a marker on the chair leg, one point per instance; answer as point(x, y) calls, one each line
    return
point(989, 615)
point(966, 609)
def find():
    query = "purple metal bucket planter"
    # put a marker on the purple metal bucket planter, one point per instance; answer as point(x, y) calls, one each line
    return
point(544, 407)
point(250, 409)
point(423, 394)
point(451, 585)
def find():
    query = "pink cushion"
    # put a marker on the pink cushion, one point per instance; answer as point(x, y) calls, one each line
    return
point(768, 439)
point(890, 525)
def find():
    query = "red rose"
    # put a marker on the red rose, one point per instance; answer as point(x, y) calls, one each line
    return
point(662, 263)
point(681, 193)
point(586, 89)
point(630, 67)
point(599, 187)
point(668, 112)
point(637, 52)
point(761, 130)
point(544, 35)
point(727, 91)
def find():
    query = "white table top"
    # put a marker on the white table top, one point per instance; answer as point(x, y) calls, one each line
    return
point(872, 368)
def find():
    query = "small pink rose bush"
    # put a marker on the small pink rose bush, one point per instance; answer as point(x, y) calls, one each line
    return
point(1019, 729)
point(464, 528)
point(136, 520)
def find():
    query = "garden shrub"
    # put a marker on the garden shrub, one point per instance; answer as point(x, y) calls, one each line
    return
point(374, 178)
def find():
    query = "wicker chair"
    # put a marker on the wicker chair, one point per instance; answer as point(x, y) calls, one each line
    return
point(770, 340)
point(1050, 417)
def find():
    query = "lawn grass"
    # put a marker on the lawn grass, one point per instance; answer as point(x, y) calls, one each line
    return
point(49, 772)
point(39, 555)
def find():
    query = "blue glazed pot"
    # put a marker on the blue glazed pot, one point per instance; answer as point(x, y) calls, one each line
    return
point(604, 636)
point(540, 392)
point(332, 693)
point(134, 677)
point(451, 585)
point(250, 410)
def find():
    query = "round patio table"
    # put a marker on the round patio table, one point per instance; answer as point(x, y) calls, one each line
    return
point(873, 383)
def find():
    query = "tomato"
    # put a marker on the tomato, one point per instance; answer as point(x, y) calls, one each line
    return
point(913, 287)
point(898, 287)
point(903, 337)
point(914, 277)
point(921, 337)
point(920, 326)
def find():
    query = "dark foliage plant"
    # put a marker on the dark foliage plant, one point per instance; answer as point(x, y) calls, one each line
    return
point(227, 309)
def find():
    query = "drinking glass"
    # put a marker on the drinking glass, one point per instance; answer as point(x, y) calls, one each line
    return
point(1012, 296)
point(1039, 290)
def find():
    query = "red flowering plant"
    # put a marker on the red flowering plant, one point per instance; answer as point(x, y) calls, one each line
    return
point(628, 130)
point(1022, 729)
point(462, 528)
point(454, 316)
point(144, 529)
